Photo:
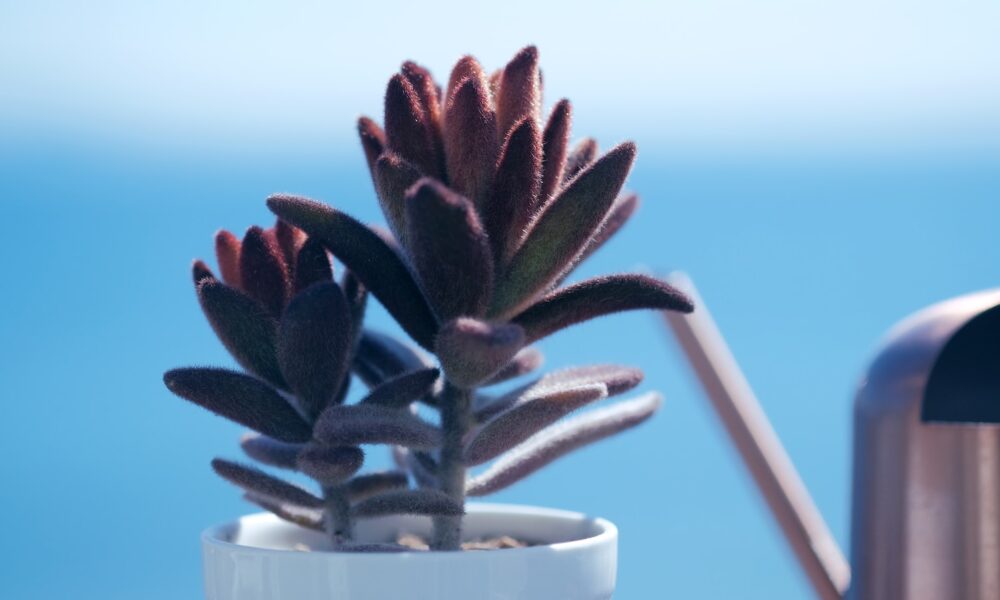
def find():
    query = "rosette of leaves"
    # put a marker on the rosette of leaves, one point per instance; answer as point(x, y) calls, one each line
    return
point(490, 209)
point(295, 331)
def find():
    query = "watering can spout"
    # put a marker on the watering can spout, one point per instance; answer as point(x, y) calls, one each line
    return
point(759, 447)
point(926, 487)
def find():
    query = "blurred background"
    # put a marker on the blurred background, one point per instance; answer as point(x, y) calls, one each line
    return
point(820, 169)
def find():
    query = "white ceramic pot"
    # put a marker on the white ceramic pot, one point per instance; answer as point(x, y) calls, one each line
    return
point(576, 559)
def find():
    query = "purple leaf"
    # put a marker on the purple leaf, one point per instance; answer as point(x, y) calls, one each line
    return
point(555, 141)
point(365, 486)
point(404, 389)
point(380, 357)
point(560, 440)
point(393, 177)
point(369, 258)
point(357, 301)
point(289, 240)
point(227, 253)
point(372, 141)
point(562, 230)
point(407, 129)
point(580, 158)
point(312, 265)
point(261, 484)
point(467, 67)
point(244, 327)
point(200, 271)
point(409, 502)
point(470, 140)
point(309, 518)
point(371, 424)
point(422, 82)
point(472, 351)
point(515, 191)
point(314, 345)
point(616, 378)
point(330, 465)
point(240, 398)
point(598, 297)
point(520, 94)
point(526, 417)
point(621, 211)
point(449, 250)
point(269, 451)
point(524, 362)
point(263, 271)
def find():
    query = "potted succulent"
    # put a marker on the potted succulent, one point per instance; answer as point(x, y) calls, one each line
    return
point(488, 211)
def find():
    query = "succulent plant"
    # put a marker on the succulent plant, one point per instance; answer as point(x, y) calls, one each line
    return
point(489, 211)
point(296, 331)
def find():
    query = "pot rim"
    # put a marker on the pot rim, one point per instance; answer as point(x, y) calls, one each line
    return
point(607, 532)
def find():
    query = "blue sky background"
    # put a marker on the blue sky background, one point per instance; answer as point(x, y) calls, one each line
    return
point(820, 169)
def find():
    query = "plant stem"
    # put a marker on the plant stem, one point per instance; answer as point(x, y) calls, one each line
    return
point(456, 419)
point(338, 518)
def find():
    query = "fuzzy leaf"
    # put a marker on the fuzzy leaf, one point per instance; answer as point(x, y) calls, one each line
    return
point(393, 177)
point(369, 258)
point(240, 398)
point(259, 483)
point(404, 389)
point(227, 253)
point(309, 518)
point(314, 345)
point(357, 301)
point(580, 158)
point(409, 502)
point(372, 141)
point(371, 424)
point(621, 211)
point(263, 271)
point(616, 379)
point(524, 362)
point(330, 465)
point(200, 271)
point(365, 486)
point(380, 357)
point(290, 240)
point(472, 351)
point(562, 230)
point(467, 67)
point(422, 82)
point(407, 130)
point(470, 140)
point(526, 417)
point(520, 94)
point(244, 327)
point(560, 440)
point(449, 249)
point(598, 297)
point(555, 141)
point(312, 265)
point(515, 191)
point(269, 451)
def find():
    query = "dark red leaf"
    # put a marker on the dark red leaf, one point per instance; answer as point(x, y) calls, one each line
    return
point(263, 271)
point(241, 398)
point(598, 297)
point(369, 258)
point(449, 249)
point(314, 345)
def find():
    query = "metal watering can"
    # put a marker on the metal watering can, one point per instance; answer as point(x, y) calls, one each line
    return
point(925, 520)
